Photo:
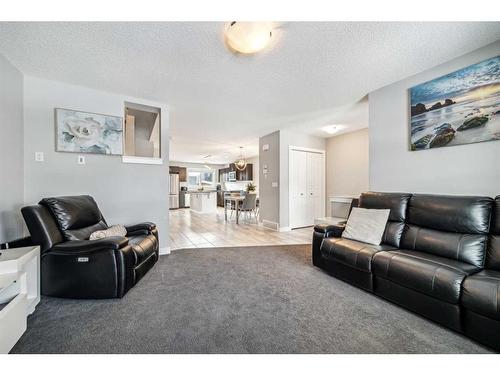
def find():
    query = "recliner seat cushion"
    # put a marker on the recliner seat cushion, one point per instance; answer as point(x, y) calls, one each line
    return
point(352, 253)
point(143, 246)
point(429, 274)
point(77, 216)
point(481, 293)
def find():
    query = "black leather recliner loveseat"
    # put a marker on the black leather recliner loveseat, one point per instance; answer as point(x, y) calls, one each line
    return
point(439, 257)
point(72, 266)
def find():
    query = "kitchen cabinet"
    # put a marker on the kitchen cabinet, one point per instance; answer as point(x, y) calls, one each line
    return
point(182, 172)
point(244, 175)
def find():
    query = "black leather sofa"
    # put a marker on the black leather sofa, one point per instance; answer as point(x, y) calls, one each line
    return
point(72, 266)
point(439, 257)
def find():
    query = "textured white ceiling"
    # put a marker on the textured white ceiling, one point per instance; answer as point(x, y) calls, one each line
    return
point(308, 78)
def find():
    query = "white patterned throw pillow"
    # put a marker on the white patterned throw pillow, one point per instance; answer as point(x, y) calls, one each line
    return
point(112, 231)
point(366, 225)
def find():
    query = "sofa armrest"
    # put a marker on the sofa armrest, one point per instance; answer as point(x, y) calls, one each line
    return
point(146, 226)
point(88, 246)
point(330, 230)
point(21, 242)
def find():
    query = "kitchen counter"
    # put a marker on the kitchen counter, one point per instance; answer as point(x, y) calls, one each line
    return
point(203, 201)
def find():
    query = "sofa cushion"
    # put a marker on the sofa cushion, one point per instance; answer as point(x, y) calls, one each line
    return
point(429, 274)
point(352, 253)
point(77, 216)
point(454, 227)
point(143, 246)
point(450, 213)
point(481, 293)
point(469, 248)
point(397, 204)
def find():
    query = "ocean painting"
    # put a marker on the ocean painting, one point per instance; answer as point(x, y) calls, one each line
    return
point(456, 109)
point(85, 132)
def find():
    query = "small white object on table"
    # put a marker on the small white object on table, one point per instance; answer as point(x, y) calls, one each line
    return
point(203, 201)
point(19, 292)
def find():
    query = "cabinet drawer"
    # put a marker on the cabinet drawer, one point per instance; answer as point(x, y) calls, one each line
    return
point(12, 322)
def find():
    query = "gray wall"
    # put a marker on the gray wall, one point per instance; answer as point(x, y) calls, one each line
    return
point(292, 138)
point(11, 151)
point(126, 193)
point(467, 169)
point(347, 164)
point(269, 196)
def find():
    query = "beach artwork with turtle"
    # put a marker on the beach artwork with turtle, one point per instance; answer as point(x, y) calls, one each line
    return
point(459, 108)
point(85, 132)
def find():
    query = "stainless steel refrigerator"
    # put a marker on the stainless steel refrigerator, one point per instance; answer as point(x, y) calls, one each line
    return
point(174, 191)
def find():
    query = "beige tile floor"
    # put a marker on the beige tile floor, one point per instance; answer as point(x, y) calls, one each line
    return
point(189, 229)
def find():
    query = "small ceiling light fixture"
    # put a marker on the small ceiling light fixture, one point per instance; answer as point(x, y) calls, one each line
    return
point(241, 163)
point(248, 37)
point(332, 129)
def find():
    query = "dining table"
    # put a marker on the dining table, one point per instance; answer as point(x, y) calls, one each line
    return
point(236, 199)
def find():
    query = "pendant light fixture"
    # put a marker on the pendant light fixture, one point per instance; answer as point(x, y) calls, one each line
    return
point(241, 163)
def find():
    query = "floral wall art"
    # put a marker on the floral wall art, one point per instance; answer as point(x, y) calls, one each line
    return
point(85, 132)
point(459, 108)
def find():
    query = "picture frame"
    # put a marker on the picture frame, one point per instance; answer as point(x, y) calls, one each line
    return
point(88, 132)
point(459, 108)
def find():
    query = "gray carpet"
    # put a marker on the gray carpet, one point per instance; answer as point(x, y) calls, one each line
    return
point(236, 300)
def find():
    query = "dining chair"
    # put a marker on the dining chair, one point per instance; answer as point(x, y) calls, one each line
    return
point(249, 206)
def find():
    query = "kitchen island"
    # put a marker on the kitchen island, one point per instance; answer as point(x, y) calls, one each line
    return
point(203, 201)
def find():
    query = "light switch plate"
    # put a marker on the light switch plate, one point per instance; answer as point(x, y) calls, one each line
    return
point(265, 147)
point(81, 159)
point(39, 156)
point(274, 184)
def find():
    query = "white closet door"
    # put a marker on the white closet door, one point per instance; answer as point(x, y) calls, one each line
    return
point(315, 189)
point(316, 185)
point(306, 187)
point(298, 188)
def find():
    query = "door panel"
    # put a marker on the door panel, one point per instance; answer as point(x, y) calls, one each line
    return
point(297, 188)
point(306, 187)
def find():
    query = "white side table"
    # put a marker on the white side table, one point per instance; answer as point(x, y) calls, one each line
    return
point(19, 292)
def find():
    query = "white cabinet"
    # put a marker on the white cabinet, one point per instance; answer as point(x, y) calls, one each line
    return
point(19, 292)
point(306, 186)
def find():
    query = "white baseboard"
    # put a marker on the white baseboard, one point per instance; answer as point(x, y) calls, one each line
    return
point(274, 226)
point(165, 250)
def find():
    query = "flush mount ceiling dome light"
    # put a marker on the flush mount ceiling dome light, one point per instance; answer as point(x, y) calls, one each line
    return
point(332, 129)
point(248, 37)
point(241, 163)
